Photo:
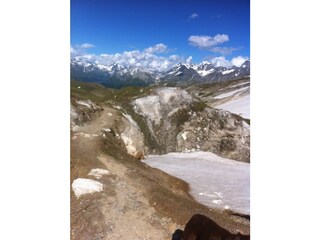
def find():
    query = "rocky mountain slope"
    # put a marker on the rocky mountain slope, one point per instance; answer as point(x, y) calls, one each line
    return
point(177, 122)
point(117, 75)
point(171, 119)
point(111, 188)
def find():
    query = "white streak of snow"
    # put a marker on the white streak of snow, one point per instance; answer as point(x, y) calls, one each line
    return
point(184, 135)
point(83, 103)
point(227, 71)
point(98, 172)
point(228, 94)
point(237, 85)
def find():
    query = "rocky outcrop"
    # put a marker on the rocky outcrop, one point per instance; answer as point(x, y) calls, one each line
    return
point(171, 120)
point(132, 137)
point(178, 122)
point(216, 131)
point(82, 111)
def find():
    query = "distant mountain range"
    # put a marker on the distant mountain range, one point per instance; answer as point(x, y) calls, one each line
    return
point(117, 75)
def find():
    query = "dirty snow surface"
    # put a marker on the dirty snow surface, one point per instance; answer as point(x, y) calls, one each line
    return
point(228, 94)
point(214, 181)
point(82, 186)
point(240, 106)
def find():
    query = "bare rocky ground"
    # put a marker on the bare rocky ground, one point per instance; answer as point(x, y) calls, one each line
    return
point(137, 202)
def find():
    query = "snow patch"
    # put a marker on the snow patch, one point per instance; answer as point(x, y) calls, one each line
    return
point(86, 135)
point(219, 202)
point(228, 94)
point(184, 135)
point(214, 181)
point(98, 172)
point(82, 186)
point(205, 72)
point(240, 106)
point(240, 84)
point(110, 114)
point(228, 71)
point(83, 103)
point(117, 107)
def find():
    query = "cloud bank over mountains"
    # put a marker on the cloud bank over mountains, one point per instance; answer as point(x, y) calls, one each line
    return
point(152, 58)
point(148, 58)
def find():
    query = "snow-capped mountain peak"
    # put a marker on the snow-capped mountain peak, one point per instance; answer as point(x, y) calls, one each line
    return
point(85, 70)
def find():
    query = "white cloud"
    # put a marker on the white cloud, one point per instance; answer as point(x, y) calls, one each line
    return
point(211, 43)
point(159, 48)
point(238, 61)
point(220, 62)
point(87, 45)
point(207, 41)
point(189, 60)
point(147, 59)
point(193, 16)
point(80, 49)
point(223, 62)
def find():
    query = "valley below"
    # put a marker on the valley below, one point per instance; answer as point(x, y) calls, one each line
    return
point(145, 159)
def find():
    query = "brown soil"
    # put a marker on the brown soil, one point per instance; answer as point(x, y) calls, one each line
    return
point(137, 202)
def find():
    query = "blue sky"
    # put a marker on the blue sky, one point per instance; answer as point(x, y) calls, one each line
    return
point(201, 29)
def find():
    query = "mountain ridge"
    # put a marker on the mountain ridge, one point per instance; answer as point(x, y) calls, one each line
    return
point(117, 75)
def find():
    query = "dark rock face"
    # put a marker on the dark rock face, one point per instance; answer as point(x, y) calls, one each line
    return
point(83, 111)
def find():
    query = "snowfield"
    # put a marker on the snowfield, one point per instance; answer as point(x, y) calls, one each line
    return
point(240, 106)
point(205, 72)
point(82, 186)
point(228, 94)
point(214, 181)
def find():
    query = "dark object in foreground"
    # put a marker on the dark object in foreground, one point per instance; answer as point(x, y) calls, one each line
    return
point(177, 235)
point(200, 227)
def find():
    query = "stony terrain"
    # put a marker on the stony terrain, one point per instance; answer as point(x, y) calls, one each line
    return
point(174, 121)
point(109, 134)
